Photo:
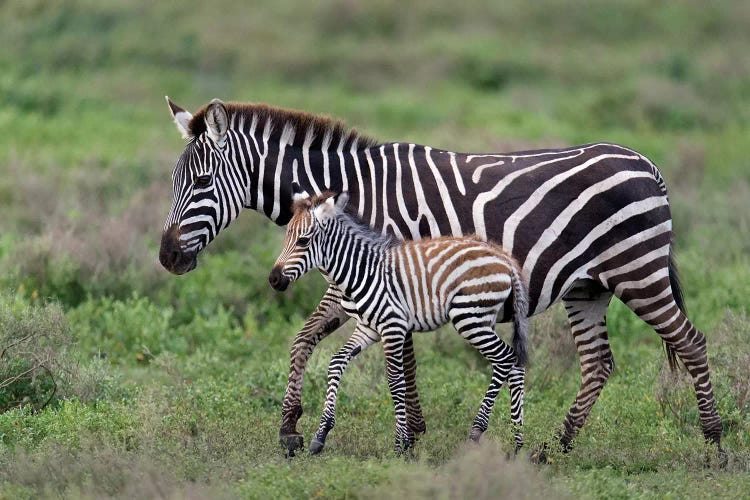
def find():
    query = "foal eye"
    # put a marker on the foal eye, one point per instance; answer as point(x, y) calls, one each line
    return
point(303, 241)
point(203, 181)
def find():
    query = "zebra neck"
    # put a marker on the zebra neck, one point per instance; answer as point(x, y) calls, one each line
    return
point(353, 255)
point(275, 166)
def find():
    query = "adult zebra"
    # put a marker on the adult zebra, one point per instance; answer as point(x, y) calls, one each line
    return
point(585, 223)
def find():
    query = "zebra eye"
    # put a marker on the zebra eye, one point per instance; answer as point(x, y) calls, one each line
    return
point(303, 241)
point(203, 181)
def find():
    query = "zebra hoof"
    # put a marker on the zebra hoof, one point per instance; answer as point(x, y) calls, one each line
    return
point(316, 446)
point(292, 443)
point(418, 429)
point(476, 435)
point(722, 458)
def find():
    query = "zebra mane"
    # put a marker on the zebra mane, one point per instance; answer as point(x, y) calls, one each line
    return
point(321, 126)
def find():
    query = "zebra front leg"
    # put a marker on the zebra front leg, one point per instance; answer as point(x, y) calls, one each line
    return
point(328, 316)
point(587, 309)
point(516, 381)
point(362, 338)
point(393, 347)
point(414, 415)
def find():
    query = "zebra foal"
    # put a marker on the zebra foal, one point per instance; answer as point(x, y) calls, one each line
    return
point(394, 288)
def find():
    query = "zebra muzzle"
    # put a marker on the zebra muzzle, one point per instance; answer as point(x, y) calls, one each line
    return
point(172, 256)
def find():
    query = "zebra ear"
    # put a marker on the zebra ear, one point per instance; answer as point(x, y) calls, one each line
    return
point(298, 193)
point(217, 121)
point(341, 199)
point(181, 118)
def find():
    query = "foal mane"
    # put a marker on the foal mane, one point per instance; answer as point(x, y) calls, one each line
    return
point(349, 218)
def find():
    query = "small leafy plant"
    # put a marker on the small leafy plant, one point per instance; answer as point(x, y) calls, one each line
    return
point(33, 339)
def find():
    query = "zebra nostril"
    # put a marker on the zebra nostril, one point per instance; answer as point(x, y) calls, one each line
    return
point(174, 257)
point(274, 277)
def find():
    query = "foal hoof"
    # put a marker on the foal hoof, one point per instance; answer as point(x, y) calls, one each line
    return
point(292, 443)
point(404, 448)
point(316, 446)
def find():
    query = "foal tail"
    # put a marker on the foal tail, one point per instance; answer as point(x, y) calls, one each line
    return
point(520, 316)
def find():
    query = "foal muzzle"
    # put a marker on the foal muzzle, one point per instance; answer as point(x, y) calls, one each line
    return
point(277, 280)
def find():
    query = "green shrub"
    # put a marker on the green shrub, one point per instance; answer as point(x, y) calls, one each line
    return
point(123, 331)
point(33, 343)
point(134, 330)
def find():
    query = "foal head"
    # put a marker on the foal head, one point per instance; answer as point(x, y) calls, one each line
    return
point(305, 236)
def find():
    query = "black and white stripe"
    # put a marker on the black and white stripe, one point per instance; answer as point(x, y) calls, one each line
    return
point(395, 288)
point(585, 223)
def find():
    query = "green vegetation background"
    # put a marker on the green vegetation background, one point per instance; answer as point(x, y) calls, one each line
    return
point(171, 386)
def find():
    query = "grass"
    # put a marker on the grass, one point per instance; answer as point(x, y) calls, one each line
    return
point(171, 386)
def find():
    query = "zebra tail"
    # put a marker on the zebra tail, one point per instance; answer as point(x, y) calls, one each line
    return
point(674, 282)
point(520, 317)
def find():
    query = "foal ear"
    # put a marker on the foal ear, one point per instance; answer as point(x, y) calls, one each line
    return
point(341, 199)
point(298, 193)
point(324, 209)
point(181, 118)
point(217, 121)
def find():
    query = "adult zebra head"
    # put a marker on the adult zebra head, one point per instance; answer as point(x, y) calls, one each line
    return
point(305, 241)
point(246, 155)
point(208, 193)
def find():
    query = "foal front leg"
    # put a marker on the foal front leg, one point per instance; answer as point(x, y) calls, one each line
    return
point(414, 414)
point(362, 338)
point(328, 316)
point(393, 347)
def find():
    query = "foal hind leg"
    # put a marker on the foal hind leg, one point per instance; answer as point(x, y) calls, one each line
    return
point(516, 380)
point(586, 305)
point(656, 305)
point(479, 332)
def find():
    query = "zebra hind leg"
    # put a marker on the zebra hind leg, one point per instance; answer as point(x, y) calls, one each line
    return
point(361, 339)
point(586, 306)
point(662, 312)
